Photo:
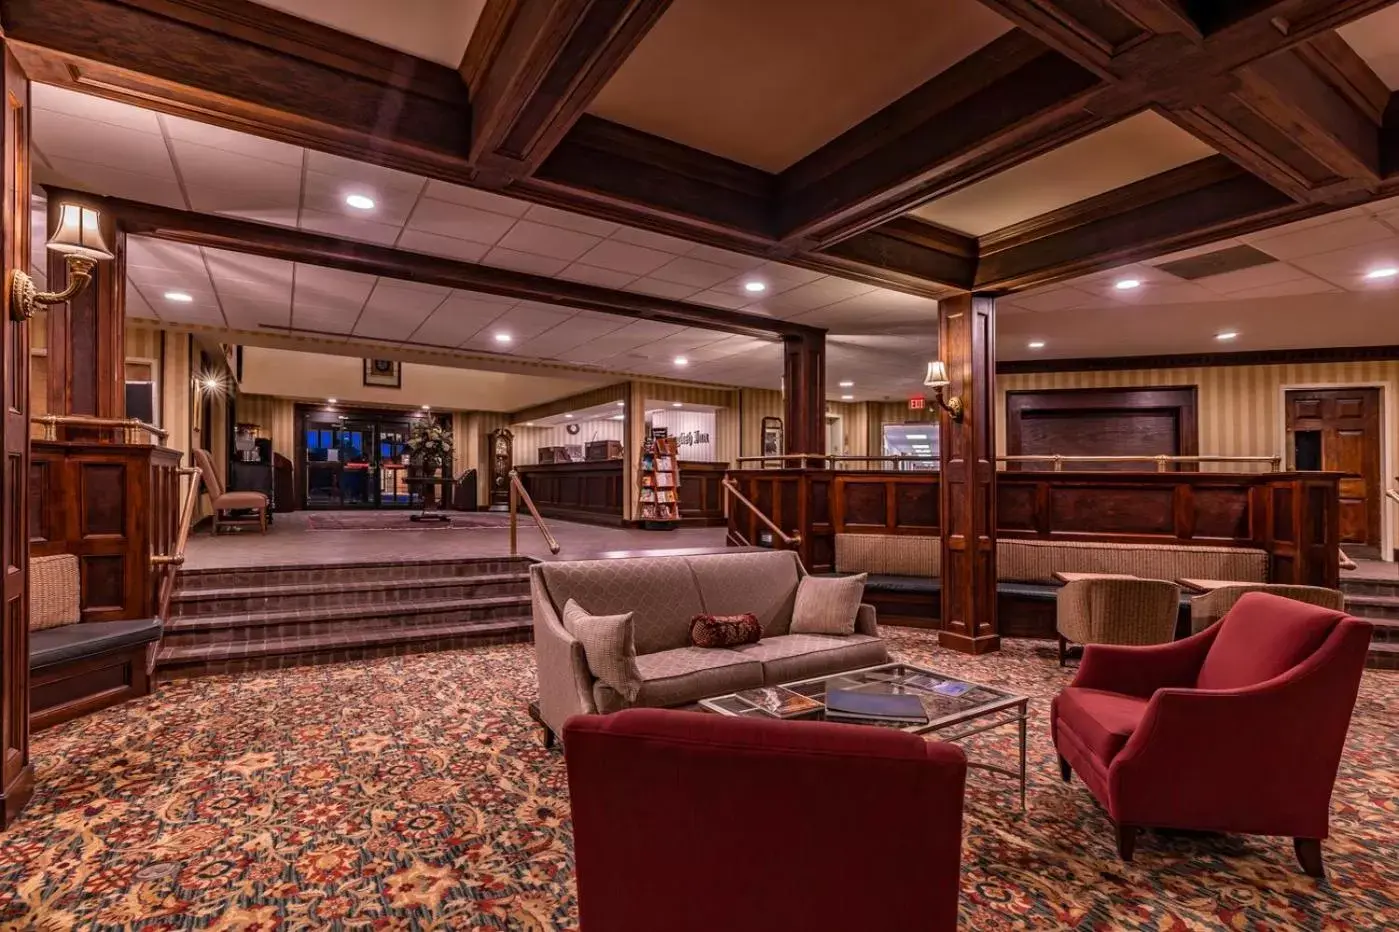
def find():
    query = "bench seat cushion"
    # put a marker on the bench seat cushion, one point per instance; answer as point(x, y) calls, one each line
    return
point(802, 656)
point(920, 585)
point(88, 639)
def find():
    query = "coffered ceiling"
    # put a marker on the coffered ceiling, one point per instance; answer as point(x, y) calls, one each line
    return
point(436, 30)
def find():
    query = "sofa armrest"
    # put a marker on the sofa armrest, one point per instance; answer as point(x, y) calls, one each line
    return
point(1257, 759)
point(565, 682)
point(866, 620)
point(1141, 670)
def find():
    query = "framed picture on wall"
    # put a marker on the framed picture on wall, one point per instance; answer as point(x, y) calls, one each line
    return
point(383, 373)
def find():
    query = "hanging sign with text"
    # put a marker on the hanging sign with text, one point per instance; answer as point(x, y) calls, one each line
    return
point(917, 403)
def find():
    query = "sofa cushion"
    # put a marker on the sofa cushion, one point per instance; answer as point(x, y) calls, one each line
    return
point(803, 656)
point(1038, 561)
point(1102, 721)
point(609, 645)
point(660, 592)
point(827, 604)
point(762, 583)
point(683, 675)
point(1263, 636)
point(888, 554)
point(88, 639)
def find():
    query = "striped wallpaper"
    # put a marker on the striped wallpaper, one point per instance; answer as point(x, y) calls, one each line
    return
point(588, 399)
point(275, 416)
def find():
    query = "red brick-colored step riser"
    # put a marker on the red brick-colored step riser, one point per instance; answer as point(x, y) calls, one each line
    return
point(307, 624)
point(403, 593)
point(330, 573)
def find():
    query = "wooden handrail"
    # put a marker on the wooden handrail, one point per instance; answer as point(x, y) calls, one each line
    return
point(174, 560)
point(51, 422)
point(1161, 461)
point(517, 492)
point(731, 490)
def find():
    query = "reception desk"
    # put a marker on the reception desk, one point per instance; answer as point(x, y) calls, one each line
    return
point(594, 493)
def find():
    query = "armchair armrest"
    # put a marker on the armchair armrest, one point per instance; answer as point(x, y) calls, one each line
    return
point(1140, 671)
point(565, 682)
point(866, 620)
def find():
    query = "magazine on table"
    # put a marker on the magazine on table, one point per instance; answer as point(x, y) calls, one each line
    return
point(779, 701)
point(887, 708)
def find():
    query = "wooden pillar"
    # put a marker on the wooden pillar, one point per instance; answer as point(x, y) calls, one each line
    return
point(16, 772)
point(87, 335)
point(967, 344)
point(804, 396)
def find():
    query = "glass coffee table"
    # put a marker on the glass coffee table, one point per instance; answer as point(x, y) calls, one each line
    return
point(956, 708)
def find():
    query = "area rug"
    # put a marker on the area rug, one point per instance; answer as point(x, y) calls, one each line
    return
point(400, 521)
point(413, 793)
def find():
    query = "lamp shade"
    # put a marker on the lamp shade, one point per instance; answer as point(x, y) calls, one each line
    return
point(937, 375)
point(79, 234)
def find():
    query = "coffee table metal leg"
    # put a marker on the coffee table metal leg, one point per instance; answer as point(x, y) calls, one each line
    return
point(1024, 714)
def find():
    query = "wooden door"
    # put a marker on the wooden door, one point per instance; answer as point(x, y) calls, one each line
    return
point(1348, 423)
point(16, 774)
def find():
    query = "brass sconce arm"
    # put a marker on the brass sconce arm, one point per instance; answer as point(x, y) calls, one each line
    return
point(25, 297)
point(79, 240)
point(938, 381)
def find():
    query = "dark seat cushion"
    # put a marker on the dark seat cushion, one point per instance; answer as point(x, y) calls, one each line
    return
point(1103, 721)
point(88, 639)
point(921, 585)
point(1042, 592)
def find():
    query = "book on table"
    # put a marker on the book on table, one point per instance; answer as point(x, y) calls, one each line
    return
point(779, 701)
point(887, 708)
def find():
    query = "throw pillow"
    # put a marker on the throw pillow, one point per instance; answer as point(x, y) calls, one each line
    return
point(609, 645)
point(827, 604)
point(725, 630)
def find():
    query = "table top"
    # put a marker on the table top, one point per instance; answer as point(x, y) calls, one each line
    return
point(1072, 577)
point(430, 480)
point(1209, 585)
point(946, 699)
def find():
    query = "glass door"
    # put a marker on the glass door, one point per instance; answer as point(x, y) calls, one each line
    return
point(393, 488)
point(340, 463)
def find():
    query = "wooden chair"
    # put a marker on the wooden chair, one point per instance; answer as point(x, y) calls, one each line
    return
point(221, 501)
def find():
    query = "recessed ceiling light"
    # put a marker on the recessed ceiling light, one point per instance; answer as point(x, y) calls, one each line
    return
point(360, 202)
point(1226, 335)
point(621, 404)
point(916, 436)
point(676, 404)
point(1036, 344)
point(847, 397)
point(427, 407)
point(503, 338)
point(1127, 284)
point(619, 417)
point(568, 415)
point(847, 384)
point(681, 361)
point(529, 423)
point(179, 297)
point(330, 401)
point(755, 287)
point(1387, 271)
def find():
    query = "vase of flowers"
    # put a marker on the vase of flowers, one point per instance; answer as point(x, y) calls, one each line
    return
point(430, 447)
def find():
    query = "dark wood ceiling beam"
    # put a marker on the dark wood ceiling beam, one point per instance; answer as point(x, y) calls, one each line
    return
point(533, 66)
point(1160, 16)
point(909, 252)
point(260, 239)
point(1008, 102)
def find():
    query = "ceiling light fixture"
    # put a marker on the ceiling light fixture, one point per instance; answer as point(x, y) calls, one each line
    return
point(755, 287)
point(1387, 271)
point(937, 379)
point(360, 202)
point(847, 397)
point(619, 417)
point(1127, 284)
point(621, 404)
point(681, 361)
point(915, 436)
point(847, 384)
point(503, 338)
point(529, 423)
point(427, 407)
point(179, 297)
point(1036, 344)
point(568, 416)
point(79, 241)
point(676, 404)
point(330, 401)
point(1226, 335)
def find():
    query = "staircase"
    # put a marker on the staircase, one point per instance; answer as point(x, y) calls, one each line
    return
point(257, 618)
point(1377, 601)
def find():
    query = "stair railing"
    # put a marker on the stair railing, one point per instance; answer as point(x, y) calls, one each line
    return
point(731, 492)
point(129, 426)
point(518, 492)
point(176, 558)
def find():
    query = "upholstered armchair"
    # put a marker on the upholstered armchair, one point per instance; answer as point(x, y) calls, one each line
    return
point(1116, 610)
point(692, 823)
point(221, 501)
point(1236, 729)
point(1207, 609)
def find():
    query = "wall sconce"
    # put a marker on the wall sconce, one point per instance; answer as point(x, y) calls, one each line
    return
point(79, 239)
point(937, 380)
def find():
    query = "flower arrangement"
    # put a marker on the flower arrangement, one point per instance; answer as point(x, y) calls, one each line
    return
point(430, 445)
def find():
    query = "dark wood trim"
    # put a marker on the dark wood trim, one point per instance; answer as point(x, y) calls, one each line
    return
point(292, 245)
point(1183, 400)
point(65, 691)
point(1193, 360)
point(535, 68)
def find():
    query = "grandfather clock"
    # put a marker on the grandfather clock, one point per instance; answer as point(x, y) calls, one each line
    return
point(502, 459)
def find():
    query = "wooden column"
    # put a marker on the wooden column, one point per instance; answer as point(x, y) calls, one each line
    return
point(87, 335)
point(804, 396)
point(16, 772)
point(967, 344)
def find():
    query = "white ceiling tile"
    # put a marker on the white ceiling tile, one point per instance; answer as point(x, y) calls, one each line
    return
point(368, 231)
point(232, 141)
point(114, 182)
point(458, 221)
point(480, 200)
point(661, 289)
point(88, 107)
point(524, 262)
point(227, 182)
point(732, 260)
point(728, 299)
point(590, 275)
point(447, 246)
point(1347, 268)
point(327, 193)
point(331, 289)
point(542, 240)
point(142, 252)
point(392, 296)
point(1257, 277)
point(248, 314)
point(816, 294)
point(685, 270)
point(540, 213)
point(1320, 238)
point(62, 136)
point(522, 323)
point(658, 241)
point(623, 257)
point(461, 317)
point(348, 170)
point(1053, 299)
point(1301, 286)
point(136, 304)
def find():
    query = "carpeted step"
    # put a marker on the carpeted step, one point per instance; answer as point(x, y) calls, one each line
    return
point(1382, 656)
point(1373, 606)
point(303, 650)
point(357, 571)
point(1380, 587)
point(234, 600)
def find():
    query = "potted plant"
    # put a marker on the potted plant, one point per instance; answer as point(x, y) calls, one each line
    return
point(430, 449)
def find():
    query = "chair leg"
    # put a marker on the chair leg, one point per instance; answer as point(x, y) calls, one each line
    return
point(1126, 841)
point(262, 520)
point(1063, 649)
point(1065, 771)
point(214, 524)
point(1309, 856)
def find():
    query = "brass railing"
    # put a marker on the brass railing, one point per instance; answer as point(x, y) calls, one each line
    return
point(518, 492)
point(176, 558)
point(130, 426)
point(731, 491)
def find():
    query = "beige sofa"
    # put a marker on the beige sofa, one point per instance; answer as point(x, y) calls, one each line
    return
point(664, 593)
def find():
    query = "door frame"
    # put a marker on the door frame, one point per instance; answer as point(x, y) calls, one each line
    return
point(1387, 441)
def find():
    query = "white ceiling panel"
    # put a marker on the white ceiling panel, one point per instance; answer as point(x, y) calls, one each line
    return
point(625, 257)
point(697, 273)
point(543, 240)
point(51, 99)
point(444, 218)
point(590, 275)
point(445, 246)
point(524, 262)
point(661, 289)
point(368, 231)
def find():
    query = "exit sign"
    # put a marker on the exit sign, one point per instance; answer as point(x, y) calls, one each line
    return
point(917, 403)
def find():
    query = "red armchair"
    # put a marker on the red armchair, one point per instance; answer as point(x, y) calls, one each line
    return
point(691, 822)
point(1236, 729)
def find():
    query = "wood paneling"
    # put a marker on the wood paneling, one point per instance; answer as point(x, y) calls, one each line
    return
point(804, 398)
point(16, 772)
point(702, 494)
point(588, 492)
point(67, 691)
point(1347, 421)
point(1099, 422)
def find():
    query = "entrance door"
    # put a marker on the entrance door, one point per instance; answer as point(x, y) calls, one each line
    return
point(1339, 429)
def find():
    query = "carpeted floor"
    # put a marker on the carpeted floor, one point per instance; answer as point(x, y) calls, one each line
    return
point(403, 521)
point(412, 793)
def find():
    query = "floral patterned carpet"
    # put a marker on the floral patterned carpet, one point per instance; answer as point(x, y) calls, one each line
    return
point(413, 793)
